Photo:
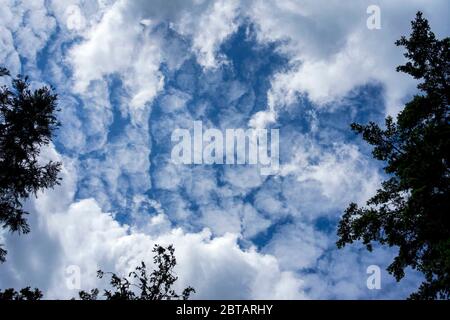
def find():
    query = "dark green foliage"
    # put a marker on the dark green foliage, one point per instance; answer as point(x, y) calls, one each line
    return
point(4, 72)
point(92, 295)
point(24, 294)
point(411, 210)
point(141, 286)
point(27, 122)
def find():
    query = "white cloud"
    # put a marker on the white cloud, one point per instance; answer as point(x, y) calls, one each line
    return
point(117, 45)
point(210, 29)
point(262, 119)
point(124, 42)
point(297, 246)
point(318, 180)
point(31, 24)
point(79, 233)
point(243, 177)
point(332, 51)
point(343, 275)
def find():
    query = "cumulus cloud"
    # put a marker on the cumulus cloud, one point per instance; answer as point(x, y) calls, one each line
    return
point(117, 45)
point(25, 29)
point(210, 30)
point(332, 51)
point(313, 245)
point(124, 42)
point(129, 73)
point(81, 234)
point(337, 176)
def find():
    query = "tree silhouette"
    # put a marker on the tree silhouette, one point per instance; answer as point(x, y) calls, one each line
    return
point(138, 286)
point(27, 122)
point(141, 286)
point(24, 294)
point(411, 210)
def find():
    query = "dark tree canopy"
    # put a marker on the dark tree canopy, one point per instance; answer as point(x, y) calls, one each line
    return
point(141, 286)
point(411, 210)
point(24, 294)
point(27, 123)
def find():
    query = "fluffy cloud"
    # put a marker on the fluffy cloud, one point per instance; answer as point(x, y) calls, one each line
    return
point(118, 45)
point(124, 42)
point(80, 234)
point(25, 28)
point(332, 51)
point(313, 245)
point(210, 30)
point(352, 178)
point(128, 73)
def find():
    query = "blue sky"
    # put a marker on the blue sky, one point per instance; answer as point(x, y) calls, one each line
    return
point(128, 73)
